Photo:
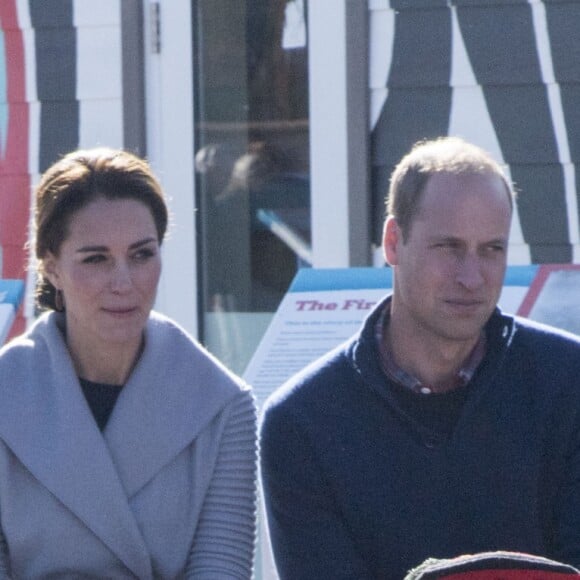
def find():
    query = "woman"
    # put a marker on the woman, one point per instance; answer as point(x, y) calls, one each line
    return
point(126, 451)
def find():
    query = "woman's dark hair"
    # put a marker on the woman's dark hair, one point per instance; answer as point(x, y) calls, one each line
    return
point(78, 179)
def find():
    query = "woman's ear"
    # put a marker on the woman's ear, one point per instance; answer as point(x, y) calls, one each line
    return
point(392, 235)
point(49, 269)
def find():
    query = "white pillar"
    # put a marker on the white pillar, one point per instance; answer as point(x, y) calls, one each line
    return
point(169, 90)
point(338, 85)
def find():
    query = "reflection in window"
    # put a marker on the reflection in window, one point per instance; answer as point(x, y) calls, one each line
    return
point(252, 164)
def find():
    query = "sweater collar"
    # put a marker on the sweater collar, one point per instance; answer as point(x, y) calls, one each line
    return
point(364, 356)
point(410, 382)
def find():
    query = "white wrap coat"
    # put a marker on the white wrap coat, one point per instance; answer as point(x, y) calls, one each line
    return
point(167, 490)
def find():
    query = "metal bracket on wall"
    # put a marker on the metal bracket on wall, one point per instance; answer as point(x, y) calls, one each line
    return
point(155, 14)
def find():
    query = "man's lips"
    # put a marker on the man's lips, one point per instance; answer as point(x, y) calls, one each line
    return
point(464, 304)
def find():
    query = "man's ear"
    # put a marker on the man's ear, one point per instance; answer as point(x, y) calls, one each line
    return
point(392, 236)
point(50, 269)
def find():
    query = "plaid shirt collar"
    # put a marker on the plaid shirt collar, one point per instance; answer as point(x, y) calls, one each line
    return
point(403, 378)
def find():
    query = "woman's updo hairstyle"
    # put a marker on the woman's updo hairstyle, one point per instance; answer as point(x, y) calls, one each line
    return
point(75, 181)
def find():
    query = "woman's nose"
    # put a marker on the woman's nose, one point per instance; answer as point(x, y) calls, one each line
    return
point(121, 280)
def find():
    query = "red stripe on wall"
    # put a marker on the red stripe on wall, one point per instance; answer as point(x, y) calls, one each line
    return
point(14, 170)
point(537, 285)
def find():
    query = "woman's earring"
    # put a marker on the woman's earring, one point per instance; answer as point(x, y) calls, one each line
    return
point(58, 301)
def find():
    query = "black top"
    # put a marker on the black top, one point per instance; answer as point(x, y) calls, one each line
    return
point(101, 399)
point(438, 412)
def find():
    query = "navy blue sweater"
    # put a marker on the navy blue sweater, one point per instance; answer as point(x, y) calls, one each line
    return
point(356, 488)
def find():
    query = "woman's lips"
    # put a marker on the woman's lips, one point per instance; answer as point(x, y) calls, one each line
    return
point(120, 311)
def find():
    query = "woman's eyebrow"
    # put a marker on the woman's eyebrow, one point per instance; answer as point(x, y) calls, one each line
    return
point(86, 249)
point(142, 243)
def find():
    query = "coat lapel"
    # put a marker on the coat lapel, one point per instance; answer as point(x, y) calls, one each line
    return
point(172, 395)
point(46, 422)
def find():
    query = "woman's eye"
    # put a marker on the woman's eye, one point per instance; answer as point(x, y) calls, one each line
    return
point(94, 259)
point(143, 254)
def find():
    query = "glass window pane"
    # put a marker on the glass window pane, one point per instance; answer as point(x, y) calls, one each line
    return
point(252, 164)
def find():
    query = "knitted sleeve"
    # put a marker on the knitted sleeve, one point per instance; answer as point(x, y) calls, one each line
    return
point(309, 536)
point(567, 547)
point(224, 544)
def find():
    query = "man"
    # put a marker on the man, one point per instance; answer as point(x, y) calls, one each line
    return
point(444, 427)
point(505, 45)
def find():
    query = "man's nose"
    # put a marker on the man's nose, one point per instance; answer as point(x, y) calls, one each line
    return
point(469, 272)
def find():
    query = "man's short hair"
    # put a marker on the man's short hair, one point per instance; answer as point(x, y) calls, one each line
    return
point(451, 155)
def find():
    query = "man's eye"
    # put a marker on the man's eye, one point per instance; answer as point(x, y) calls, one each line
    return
point(450, 245)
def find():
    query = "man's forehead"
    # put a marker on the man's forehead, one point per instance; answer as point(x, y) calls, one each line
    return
point(463, 185)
